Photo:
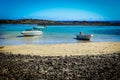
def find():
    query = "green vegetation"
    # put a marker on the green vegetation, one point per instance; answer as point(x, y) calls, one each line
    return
point(50, 22)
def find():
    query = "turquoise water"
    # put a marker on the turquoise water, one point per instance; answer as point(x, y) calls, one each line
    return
point(10, 34)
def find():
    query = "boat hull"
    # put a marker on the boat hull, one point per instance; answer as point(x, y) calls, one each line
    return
point(38, 27)
point(83, 37)
point(32, 33)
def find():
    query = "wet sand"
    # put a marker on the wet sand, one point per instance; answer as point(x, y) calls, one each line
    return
point(93, 48)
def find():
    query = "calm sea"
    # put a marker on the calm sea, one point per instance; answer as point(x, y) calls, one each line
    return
point(10, 34)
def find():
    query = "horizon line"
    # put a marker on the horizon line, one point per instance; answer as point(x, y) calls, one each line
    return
point(57, 20)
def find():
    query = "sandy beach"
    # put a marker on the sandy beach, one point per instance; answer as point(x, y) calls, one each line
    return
point(64, 49)
point(48, 62)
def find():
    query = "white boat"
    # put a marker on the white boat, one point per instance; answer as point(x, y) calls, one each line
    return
point(84, 36)
point(38, 27)
point(32, 33)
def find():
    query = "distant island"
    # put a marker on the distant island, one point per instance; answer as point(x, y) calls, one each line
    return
point(51, 22)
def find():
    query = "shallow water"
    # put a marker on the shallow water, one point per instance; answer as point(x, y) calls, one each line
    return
point(10, 34)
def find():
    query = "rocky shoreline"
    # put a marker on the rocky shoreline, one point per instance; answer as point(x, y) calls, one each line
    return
point(86, 67)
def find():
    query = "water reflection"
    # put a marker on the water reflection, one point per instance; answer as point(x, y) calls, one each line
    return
point(30, 39)
point(83, 41)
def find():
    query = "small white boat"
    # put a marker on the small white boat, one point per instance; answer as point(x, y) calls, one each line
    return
point(84, 36)
point(38, 27)
point(32, 33)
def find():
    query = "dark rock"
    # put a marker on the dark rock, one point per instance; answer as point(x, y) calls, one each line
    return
point(26, 67)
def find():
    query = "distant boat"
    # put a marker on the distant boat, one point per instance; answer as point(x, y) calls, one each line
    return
point(84, 36)
point(38, 27)
point(31, 33)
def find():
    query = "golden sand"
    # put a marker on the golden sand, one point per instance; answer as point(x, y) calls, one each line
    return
point(64, 49)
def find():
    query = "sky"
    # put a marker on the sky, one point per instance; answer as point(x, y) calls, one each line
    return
point(60, 9)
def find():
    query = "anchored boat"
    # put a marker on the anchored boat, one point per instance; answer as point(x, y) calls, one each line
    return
point(84, 36)
point(38, 27)
point(32, 33)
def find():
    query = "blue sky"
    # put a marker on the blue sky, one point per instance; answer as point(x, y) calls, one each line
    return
point(60, 9)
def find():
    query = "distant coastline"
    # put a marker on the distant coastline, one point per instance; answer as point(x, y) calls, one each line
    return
point(51, 22)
